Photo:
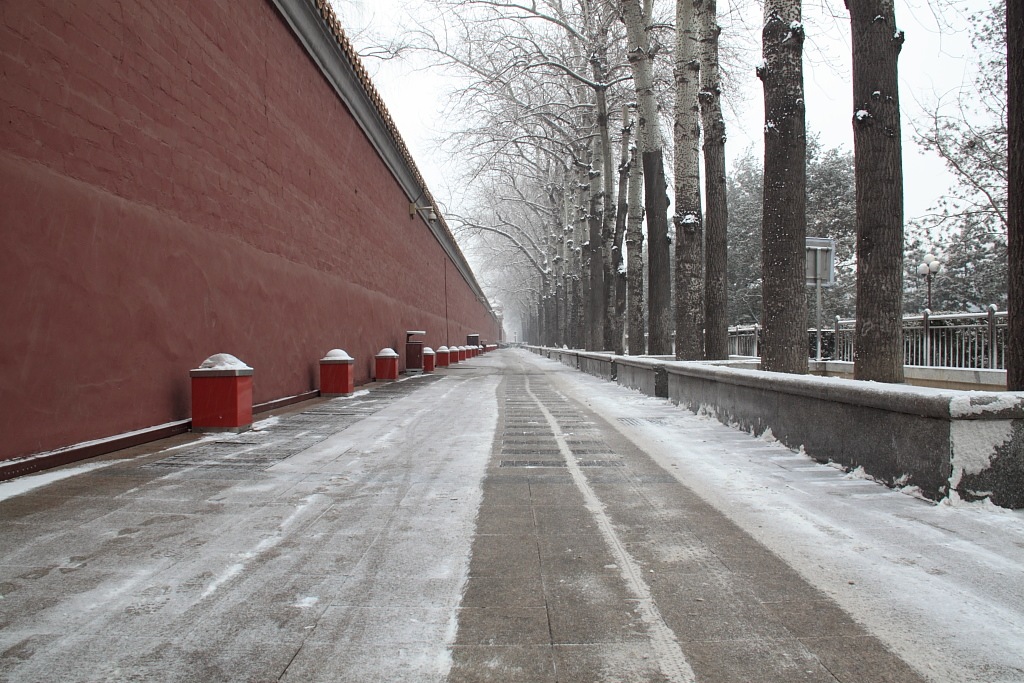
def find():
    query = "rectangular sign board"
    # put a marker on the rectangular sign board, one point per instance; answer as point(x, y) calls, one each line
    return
point(820, 264)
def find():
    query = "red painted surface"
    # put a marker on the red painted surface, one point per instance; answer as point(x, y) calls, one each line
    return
point(221, 402)
point(386, 367)
point(429, 361)
point(441, 358)
point(336, 378)
point(178, 178)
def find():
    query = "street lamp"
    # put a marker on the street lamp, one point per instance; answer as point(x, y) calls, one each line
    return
point(928, 269)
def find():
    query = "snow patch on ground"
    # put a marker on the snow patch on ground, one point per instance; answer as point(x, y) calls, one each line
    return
point(16, 487)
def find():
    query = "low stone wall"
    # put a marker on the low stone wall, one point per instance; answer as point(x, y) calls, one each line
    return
point(644, 375)
point(598, 365)
point(948, 443)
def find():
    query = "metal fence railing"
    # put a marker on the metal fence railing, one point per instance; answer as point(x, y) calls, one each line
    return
point(744, 340)
point(948, 340)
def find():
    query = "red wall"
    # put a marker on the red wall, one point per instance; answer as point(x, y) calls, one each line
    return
point(177, 179)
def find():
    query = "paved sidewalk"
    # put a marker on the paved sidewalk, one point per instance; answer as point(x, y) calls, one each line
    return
point(487, 523)
point(592, 563)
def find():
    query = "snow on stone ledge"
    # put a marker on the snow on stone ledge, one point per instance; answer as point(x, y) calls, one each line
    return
point(387, 353)
point(980, 403)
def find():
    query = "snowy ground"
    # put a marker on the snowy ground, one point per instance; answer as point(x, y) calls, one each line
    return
point(344, 561)
point(942, 585)
point(368, 533)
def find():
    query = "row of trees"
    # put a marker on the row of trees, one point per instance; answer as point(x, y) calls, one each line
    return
point(565, 103)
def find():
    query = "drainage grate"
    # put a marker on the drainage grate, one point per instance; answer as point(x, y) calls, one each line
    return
point(600, 463)
point(532, 463)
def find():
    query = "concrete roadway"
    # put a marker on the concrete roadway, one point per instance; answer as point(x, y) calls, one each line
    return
point(480, 524)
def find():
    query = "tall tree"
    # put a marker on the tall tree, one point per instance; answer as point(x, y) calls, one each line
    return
point(641, 58)
point(877, 146)
point(689, 246)
point(716, 215)
point(596, 306)
point(1015, 223)
point(784, 221)
point(618, 312)
point(606, 302)
point(637, 325)
point(542, 101)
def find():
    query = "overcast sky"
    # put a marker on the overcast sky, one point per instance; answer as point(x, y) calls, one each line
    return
point(934, 61)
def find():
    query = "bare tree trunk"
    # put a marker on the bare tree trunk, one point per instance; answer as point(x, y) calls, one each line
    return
point(689, 222)
point(579, 261)
point(570, 262)
point(656, 200)
point(1015, 227)
point(784, 222)
point(618, 311)
point(716, 214)
point(550, 315)
point(557, 259)
point(572, 296)
point(878, 159)
point(542, 315)
point(607, 206)
point(579, 271)
point(550, 247)
point(635, 260)
point(595, 265)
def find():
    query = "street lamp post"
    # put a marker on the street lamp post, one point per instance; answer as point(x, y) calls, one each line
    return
point(929, 267)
